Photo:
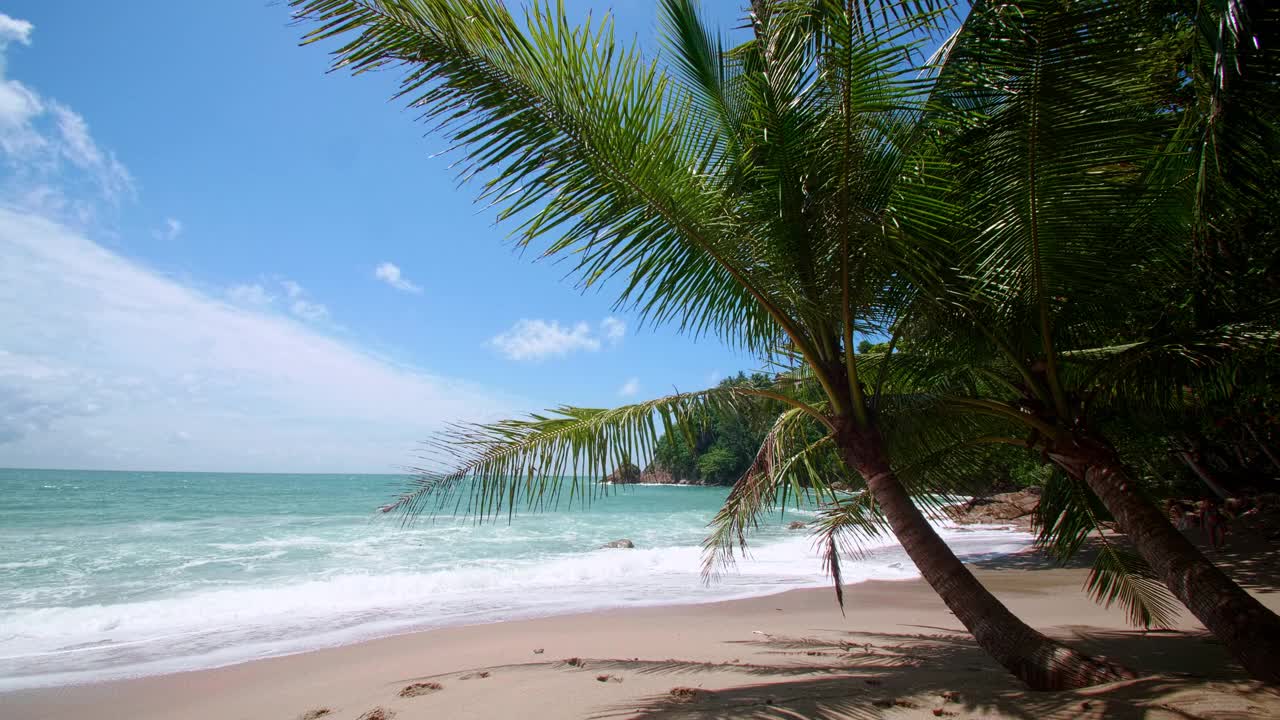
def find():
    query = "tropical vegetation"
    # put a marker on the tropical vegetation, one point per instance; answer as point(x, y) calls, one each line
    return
point(1058, 211)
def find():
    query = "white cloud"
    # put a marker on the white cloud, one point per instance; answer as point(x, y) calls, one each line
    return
point(302, 306)
point(19, 105)
point(12, 29)
point(538, 339)
point(613, 329)
point(630, 388)
point(308, 310)
point(297, 302)
point(390, 274)
point(42, 140)
point(105, 363)
point(714, 377)
point(250, 294)
point(171, 230)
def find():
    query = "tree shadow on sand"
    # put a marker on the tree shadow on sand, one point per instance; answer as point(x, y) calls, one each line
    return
point(1250, 560)
point(1254, 565)
point(870, 675)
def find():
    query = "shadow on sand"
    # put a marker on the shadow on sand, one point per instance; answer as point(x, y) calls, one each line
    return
point(874, 675)
point(941, 673)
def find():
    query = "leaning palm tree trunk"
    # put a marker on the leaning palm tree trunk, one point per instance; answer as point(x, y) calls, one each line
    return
point(1058, 156)
point(1203, 473)
point(753, 192)
point(1245, 626)
point(1039, 661)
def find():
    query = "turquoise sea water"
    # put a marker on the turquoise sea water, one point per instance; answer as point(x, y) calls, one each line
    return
point(115, 574)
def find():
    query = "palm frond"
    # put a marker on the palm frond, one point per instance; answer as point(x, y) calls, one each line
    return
point(1068, 515)
point(579, 140)
point(1049, 138)
point(500, 467)
point(1120, 576)
point(844, 528)
point(790, 462)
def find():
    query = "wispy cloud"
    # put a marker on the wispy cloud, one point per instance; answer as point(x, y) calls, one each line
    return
point(40, 138)
point(630, 388)
point(79, 148)
point(14, 30)
point(250, 294)
point(390, 274)
point(170, 231)
point(106, 363)
point(301, 305)
point(613, 329)
point(539, 339)
point(297, 301)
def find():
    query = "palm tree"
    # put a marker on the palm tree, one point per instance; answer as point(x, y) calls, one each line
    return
point(759, 192)
point(1081, 197)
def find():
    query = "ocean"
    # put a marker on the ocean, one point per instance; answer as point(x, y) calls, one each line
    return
point(107, 575)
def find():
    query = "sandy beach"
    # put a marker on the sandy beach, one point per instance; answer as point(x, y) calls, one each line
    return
point(896, 652)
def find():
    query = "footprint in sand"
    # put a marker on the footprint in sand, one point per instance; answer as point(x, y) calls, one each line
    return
point(687, 694)
point(313, 714)
point(377, 714)
point(474, 675)
point(420, 689)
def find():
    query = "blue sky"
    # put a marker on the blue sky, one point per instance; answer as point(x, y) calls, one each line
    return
point(216, 256)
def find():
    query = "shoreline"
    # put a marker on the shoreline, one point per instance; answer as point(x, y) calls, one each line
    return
point(896, 642)
point(373, 636)
point(218, 626)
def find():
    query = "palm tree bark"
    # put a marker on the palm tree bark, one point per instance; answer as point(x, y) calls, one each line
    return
point(1263, 446)
point(1245, 626)
point(1039, 661)
point(1203, 473)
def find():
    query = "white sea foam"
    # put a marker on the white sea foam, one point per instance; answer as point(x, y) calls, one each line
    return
point(137, 573)
point(214, 624)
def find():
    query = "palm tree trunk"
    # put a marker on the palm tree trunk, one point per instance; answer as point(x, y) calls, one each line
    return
point(1265, 450)
point(1203, 473)
point(1245, 626)
point(1040, 662)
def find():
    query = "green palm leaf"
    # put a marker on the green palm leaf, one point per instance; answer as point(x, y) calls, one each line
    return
point(502, 466)
point(1067, 516)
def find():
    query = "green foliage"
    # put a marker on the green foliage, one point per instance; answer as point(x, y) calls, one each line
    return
point(718, 466)
point(728, 444)
point(1068, 515)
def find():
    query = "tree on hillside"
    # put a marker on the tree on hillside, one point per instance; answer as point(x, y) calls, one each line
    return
point(726, 443)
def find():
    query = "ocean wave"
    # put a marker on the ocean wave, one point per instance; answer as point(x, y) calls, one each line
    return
point(234, 621)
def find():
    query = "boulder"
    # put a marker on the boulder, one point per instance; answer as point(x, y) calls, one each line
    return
point(797, 525)
point(622, 543)
point(657, 476)
point(654, 475)
point(1003, 508)
point(626, 474)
